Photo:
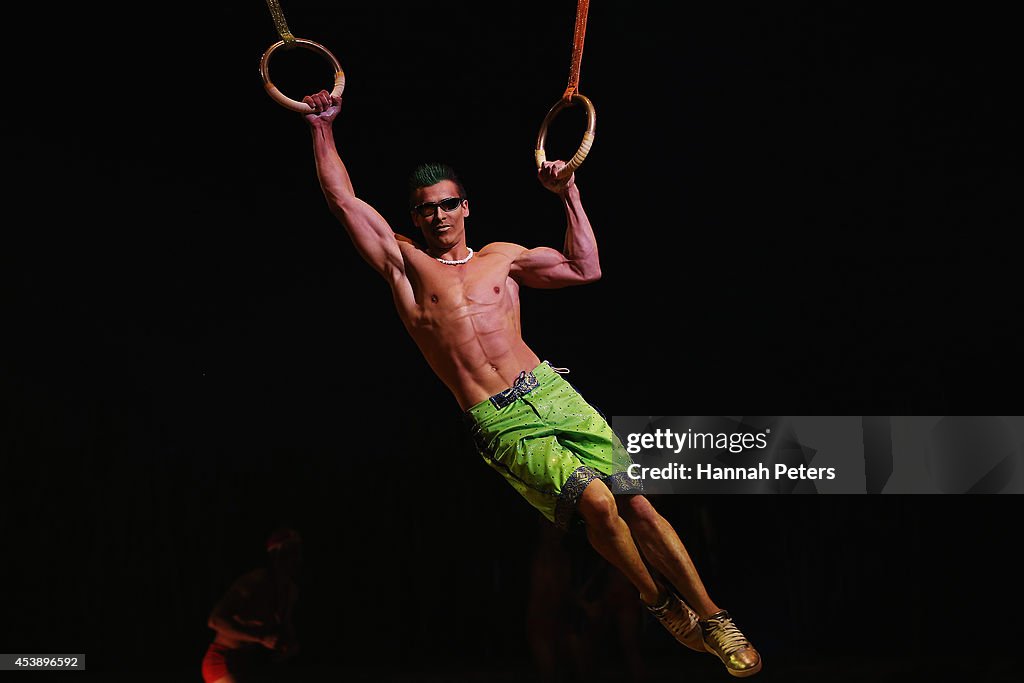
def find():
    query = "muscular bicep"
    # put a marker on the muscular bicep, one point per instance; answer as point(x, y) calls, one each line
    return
point(545, 268)
point(372, 236)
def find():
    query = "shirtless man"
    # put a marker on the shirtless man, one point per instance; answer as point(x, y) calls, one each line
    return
point(255, 612)
point(461, 307)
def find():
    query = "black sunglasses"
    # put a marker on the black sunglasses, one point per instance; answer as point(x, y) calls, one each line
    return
point(427, 209)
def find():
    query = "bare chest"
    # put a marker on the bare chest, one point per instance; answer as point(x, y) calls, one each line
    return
point(481, 285)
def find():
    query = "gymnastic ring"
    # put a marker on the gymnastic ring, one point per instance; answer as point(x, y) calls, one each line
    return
point(588, 136)
point(277, 95)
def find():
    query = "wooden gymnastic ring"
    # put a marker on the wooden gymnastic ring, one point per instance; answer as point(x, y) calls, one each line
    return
point(277, 95)
point(588, 136)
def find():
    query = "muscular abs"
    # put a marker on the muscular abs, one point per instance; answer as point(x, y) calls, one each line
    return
point(465, 320)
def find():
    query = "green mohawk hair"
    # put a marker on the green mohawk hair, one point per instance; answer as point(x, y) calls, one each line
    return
point(429, 174)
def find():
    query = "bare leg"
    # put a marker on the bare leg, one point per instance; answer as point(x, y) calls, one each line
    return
point(662, 547)
point(611, 538)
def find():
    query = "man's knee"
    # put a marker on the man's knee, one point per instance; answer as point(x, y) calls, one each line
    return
point(637, 510)
point(597, 505)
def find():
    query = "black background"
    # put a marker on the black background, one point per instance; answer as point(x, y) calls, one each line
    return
point(805, 209)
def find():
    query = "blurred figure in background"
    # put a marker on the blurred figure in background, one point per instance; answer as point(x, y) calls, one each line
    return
point(578, 599)
point(253, 620)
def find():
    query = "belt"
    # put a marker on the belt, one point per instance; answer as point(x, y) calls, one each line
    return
point(524, 384)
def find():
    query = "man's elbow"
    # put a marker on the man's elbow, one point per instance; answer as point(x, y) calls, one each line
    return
point(341, 206)
point(587, 273)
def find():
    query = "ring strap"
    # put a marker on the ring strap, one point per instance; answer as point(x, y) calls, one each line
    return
point(279, 21)
point(578, 35)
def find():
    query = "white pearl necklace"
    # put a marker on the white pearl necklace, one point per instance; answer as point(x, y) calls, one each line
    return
point(457, 262)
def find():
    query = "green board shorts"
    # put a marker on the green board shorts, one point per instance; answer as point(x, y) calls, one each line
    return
point(549, 443)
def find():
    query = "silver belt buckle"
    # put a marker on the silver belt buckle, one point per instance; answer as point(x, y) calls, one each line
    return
point(524, 384)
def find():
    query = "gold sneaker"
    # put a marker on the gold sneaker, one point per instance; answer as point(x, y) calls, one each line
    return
point(679, 620)
point(722, 638)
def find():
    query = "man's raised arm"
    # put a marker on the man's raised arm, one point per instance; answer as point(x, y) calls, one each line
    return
point(373, 237)
point(578, 262)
